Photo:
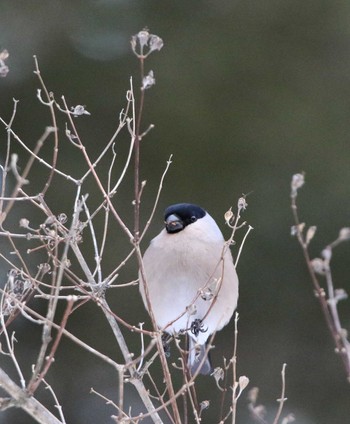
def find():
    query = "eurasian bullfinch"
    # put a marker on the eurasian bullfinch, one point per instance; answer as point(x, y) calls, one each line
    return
point(191, 280)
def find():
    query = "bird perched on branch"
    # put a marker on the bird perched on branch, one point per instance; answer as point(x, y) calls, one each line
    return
point(189, 280)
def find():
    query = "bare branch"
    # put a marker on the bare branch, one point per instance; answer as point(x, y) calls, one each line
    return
point(20, 398)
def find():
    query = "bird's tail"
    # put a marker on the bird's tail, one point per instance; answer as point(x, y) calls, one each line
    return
point(198, 358)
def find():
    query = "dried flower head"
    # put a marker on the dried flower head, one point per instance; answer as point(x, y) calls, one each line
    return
point(318, 266)
point(298, 181)
point(327, 254)
point(4, 55)
point(242, 203)
point(290, 418)
point(142, 37)
point(191, 309)
point(340, 294)
point(218, 375)
point(143, 43)
point(16, 289)
point(229, 216)
point(148, 81)
point(79, 110)
point(4, 69)
point(297, 229)
point(204, 405)
point(344, 234)
point(243, 382)
point(310, 233)
point(44, 268)
point(208, 292)
point(24, 222)
point(62, 218)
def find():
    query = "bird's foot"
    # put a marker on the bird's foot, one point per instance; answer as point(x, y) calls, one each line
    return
point(197, 327)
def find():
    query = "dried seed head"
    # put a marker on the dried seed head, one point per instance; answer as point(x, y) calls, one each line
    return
point(24, 223)
point(242, 203)
point(144, 40)
point(243, 382)
point(210, 290)
point(4, 55)
point(218, 374)
point(298, 181)
point(16, 288)
point(344, 233)
point(340, 294)
point(62, 218)
point(4, 70)
point(155, 42)
point(310, 233)
point(44, 268)
point(327, 254)
point(148, 81)
point(79, 110)
point(297, 229)
point(290, 418)
point(191, 309)
point(143, 37)
point(204, 405)
point(206, 294)
point(229, 215)
point(318, 266)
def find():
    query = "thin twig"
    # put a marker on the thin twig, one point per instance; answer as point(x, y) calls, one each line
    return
point(57, 404)
point(29, 404)
point(34, 384)
point(27, 169)
point(282, 399)
point(7, 157)
point(38, 158)
point(341, 348)
point(54, 126)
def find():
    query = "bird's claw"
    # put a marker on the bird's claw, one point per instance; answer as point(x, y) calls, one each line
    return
point(197, 327)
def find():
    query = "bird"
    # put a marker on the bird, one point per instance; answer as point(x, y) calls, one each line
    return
point(189, 280)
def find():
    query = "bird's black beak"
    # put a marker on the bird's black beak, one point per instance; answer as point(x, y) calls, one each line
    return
point(174, 224)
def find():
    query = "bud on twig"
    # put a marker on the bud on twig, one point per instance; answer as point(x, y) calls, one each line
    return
point(297, 229)
point(310, 234)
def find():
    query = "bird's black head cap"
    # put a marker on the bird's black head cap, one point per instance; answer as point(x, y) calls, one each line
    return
point(178, 216)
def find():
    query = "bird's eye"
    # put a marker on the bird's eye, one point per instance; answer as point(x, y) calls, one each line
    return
point(193, 219)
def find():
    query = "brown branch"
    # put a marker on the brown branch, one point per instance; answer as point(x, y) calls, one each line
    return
point(22, 179)
point(21, 399)
point(54, 126)
point(297, 182)
point(137, 199)
point(34, 384)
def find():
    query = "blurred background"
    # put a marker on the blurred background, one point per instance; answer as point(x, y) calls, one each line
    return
point(247, 93)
